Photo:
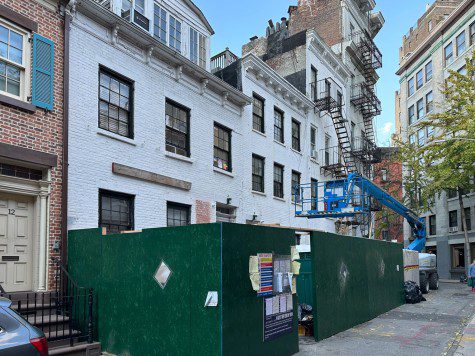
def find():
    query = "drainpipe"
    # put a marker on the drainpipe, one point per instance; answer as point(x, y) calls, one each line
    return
point(68, 15)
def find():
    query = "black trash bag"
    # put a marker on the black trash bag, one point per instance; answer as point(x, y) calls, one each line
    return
point(413, 293)
point(305, 316)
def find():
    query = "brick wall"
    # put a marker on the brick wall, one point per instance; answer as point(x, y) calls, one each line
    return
point(324, 16)
point(393, 185)
point(41, 131)
point(203, 212)
point(418, 34)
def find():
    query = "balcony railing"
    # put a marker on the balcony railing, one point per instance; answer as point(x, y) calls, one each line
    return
point(327, 95)
point(332, 160)
point(367, 51)
point(363, 96)
point(222, 60)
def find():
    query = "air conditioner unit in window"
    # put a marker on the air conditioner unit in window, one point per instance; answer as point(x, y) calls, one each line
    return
point(137, 18)
point(313, 154)
point(453, 229)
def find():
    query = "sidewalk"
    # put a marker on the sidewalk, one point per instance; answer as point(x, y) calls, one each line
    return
point(467, 342)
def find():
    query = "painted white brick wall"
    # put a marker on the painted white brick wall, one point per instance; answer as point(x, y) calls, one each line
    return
point(92, 150)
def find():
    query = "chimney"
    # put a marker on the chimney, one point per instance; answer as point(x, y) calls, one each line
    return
point(427, 6)
point(283, 22)
point(253, 38)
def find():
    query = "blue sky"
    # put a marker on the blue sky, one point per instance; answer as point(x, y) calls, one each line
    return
point(236, 21)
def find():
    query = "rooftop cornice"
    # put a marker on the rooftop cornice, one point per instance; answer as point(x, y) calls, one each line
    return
point(438, 31)
point(120, 27)
point(318, 46)
point(251, 63)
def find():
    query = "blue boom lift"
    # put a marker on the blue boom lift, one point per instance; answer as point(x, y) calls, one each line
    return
point(356, 196)
point(350, 197)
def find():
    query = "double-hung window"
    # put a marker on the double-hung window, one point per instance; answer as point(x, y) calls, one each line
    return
point(410, 114)
point(194, 45)
point(296, 185)
point(428, 69)
point(460, 42)
point(116, 211)
point(278, 125)
point(258, 113)
point(278, 180)
point(258, 173)
point(327, 150)
point(296, 135)
point(202, 51)
point(177, 128)
point(410, 86)
point(453, 219)
point(420, 137)
point(14, 76)
point(429, 102)
point(313, 83)
point(449, 54)
point(419, 79)
point(160, 24)
point(313, 142)
point(313, 193)
point(115, 103)
point(178, 214)
point(420, 109)
point(222, 148)
point(175, 34)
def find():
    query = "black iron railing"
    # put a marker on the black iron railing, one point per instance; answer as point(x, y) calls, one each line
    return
point(327, 95)
point(64, 313)
point(367, 50)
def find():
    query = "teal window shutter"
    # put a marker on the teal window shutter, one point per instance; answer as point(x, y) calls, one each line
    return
point(43, 72)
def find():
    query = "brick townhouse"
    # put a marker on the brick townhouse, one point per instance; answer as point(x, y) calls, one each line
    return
point(31, 142)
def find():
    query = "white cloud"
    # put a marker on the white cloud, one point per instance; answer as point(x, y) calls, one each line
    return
point(387, 127)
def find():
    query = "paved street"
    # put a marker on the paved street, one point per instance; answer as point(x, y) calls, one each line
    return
point(434, 327)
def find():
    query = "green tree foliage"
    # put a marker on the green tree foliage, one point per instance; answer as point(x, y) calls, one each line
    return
point(447, 158)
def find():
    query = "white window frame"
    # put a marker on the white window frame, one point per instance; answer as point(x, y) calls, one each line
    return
point(177, 19)
point(202, 50)
point(157, 37)
point(25, 67)
point(194, 45)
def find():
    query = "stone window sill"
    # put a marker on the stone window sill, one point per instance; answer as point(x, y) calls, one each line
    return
point(114, 136)
point(295, 151)
point(223, 172)
point(19, 104)
point(280, 199)
point(259, 133)
point(179, 157)
point(262, 194)
point(280, 143)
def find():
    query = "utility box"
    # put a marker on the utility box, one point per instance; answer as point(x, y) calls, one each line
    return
point(187, 290)
point(411, 266)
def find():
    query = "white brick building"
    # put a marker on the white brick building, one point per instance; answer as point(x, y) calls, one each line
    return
point(157, 140)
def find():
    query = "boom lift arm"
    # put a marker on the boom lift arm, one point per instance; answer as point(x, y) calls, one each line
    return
point(350, 197)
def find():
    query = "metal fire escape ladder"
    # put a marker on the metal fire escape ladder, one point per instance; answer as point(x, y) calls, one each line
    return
point(329, 99)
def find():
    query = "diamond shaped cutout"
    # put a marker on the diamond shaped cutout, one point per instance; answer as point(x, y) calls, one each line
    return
point(162, 275)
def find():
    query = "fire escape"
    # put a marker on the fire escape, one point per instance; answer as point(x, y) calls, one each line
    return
point(337, 160)
point(367, 58)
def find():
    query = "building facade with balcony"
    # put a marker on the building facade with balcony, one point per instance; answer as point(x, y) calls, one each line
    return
point(445, 37)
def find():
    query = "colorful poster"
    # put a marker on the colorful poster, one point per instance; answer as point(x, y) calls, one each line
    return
point(266, 274)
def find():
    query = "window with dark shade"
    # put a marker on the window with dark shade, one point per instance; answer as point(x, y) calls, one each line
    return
point(296, 135)
point(115, 104)
point(432, 225)
point(116, 211)
point(278, 125)
point(178, 214)
point(295, 185)
point(453, 218)
point(177, 121)
point(468, 219)
point(313, 142)
point(313, 83)
point(257, 173)
point(222, 148)
point(278, 180)
point(258, 114)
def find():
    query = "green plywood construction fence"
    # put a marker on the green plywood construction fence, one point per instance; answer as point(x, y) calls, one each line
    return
point(136, 317)
point(355, 280)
